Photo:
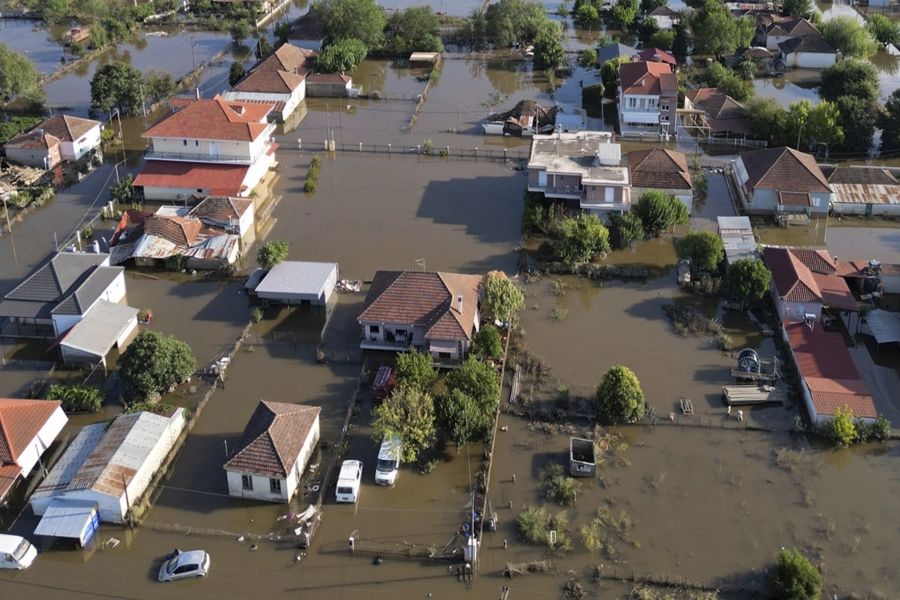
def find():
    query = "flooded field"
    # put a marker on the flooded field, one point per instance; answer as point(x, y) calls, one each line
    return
point(35, 41)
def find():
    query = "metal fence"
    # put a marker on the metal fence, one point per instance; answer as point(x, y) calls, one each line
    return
point(422, 150)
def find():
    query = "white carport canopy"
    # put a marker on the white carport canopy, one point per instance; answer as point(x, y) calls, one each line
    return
point(74, 519)
point(98, 331)
point(884, 325)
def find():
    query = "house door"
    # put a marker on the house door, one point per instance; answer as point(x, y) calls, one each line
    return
point(214, 149)
point(542, 178)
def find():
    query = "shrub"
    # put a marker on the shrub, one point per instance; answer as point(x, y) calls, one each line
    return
point(256, 315)
point(558, 487)
point(272, 253)
point(841, 429)
point(414, 370)
point(341, 56)
point(660, 212)
point(619, 397)
point(487, 343)
point(794, 577)
point(536, 522)
point(880, 429)
point(153, 363)
point(76, 398)
point(579, 239)
point(502, 298)
point(705, 249)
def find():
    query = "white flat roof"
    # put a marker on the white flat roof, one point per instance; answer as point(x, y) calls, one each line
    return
point(67, 519)
point(98, 331)
point(739, 223)
point(295, 277)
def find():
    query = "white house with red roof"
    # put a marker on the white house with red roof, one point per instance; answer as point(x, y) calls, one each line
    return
point(648, 98)
point(27, 429)
point(436, 313)
point(57, 139)
point(208, 147)
point(804, 281)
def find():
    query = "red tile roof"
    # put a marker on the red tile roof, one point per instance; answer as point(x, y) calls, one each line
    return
point(783, 169)
point(34, 139)
point(424, 299)
point(20, 422)
point(221, 208)
point(180, 231)
point(328, 78)
point(290, 58)
point(215, 119)
point(659, 168)
point(55, 129)
point(273, 438)
point(647, 78)
point(8, 476)
point(226, 180)
point(269, 81)
point(795, 281)
point(657, 55)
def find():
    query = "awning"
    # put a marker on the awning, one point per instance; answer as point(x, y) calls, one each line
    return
point(884, 325)
point(73, 519)
point(442, 346)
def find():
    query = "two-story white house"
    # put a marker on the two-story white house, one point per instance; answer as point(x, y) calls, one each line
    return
point(648, 98)
point(59, 138)
point(777, 181)
point(582, 169)
point(208, 147)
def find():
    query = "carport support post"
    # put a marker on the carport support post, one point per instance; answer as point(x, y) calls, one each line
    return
point(128, 512)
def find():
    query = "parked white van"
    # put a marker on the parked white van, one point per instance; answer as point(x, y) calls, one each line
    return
point(347, 489)
point(388, 460)
point(16, 552)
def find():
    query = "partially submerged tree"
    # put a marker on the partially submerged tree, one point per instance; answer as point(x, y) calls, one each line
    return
point(158, 85)
point(660, 212)
point(717, 32)
point(850, 78)
point(239, 31)
point(17, 75)
point(152, 364)
point(625, 228)
point(414, 29)
point(487, 343)
point(858, 124)
point(705, 249)
point(747, 279)
point(889, 121)
point(341, 56)
point(501, 297)
point(794, 577)
point(548, 52)
point(236, 73)
point(468, 408)
point(271, 253)
point(619, 397)
point(409, 413)
point(579, 239)
point(884, 30)
point(849, 37)
point(414, 370)
point(363, 20)
point(116, 85)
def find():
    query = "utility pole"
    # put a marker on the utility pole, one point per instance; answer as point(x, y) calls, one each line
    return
point(12, 240)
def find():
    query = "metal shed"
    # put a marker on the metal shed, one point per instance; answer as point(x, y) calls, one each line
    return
point(106, 326)
point(294, 282)
point(72, 519)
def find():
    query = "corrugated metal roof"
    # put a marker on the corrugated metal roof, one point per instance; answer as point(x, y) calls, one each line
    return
point(295, 277)
point(735, 223)
point(70, 462)
point(866, 193)
point(66, 519)
point(97, 333)
point(884, 325)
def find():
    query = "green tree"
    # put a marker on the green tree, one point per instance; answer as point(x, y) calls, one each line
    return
point(55, 11)
point(646, 29)
point(363, 20)
point(272, 253)
point(487, 342)
point(850, 78)
point(609, 74)
point(17, 75)
point(116, 85)
point(579, 239)
point(236, 73)
point(625, 228)
point(239, 31)
point(841, 429)
point(415, 29)
point(849, 37)
point(659, 212)
point(501, 297)
point(648, 6)
point(705, 249)
point(414, 370)
point(794, 578)
point(767, 118)
point(341, 56)
point(683, 43)
point(76, 398)
point(158, 85)
point(586, 16)
point(408, 413)
point(468, 408)
point(263, 46)
point(716, 32)
point(798, 8)
point(624, 13)
point(884, 30)
point(747, 279)
point(858, 125)
point(811, 125)
point(716, 75)
point(153, 363)
point(619, 397)
point(282, 32)
point(16, 125)
point(889, 122)
point(746, 68)
point(587, 59)
point(662, 39)
point(548, 52)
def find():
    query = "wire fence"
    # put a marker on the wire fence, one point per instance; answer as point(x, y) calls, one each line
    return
point(422, 150)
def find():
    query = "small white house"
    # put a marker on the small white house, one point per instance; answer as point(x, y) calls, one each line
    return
point(665, 17)
point(59, 138)
point(113, 466)
point(294, 282)
point(285, 90)
point(807, 52)
point(27, 429)
point(269, 461)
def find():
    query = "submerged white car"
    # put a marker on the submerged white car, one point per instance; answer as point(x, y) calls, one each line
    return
point(16, 552)
point(183, 565)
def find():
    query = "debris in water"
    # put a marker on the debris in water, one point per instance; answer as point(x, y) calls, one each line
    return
point(112, 542)
point(240, 538)
point(377, 560)
point(254, 547)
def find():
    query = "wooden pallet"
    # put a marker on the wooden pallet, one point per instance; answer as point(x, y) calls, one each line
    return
point(687, 406)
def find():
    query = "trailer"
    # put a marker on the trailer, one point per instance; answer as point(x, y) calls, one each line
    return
point(582, 462)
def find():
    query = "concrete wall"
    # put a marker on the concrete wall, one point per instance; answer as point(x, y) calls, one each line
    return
point(31, 455)
point(810, 60)
point(42, 158)
point(328, 90)
point(859, 208)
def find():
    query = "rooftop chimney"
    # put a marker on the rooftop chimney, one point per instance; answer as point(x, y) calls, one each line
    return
point(459, 303)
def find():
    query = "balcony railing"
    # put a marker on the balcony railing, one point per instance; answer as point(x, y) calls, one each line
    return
point(232, 159)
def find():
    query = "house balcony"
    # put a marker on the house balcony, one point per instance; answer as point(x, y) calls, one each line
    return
point(650, 116)
point(564, 192)
point(222, 159)
point(375, 343)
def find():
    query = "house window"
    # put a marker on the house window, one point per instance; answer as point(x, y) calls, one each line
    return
point(664, 107)
point(609, 195)
point(373, 328)
point(199, 190)
point(184, 142)
point(197, 143)
point(444, 355)
point(247, 482)
point(275, 486)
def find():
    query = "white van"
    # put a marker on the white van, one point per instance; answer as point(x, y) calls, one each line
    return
point(347, 489)
point(16, 552)
point(388, 460)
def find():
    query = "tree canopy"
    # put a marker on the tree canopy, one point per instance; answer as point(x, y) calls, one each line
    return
point(849, 37)
point(414, 29)
point(17, 75)
point(619, 397)
point(414, 370)
point(341, 56)
point(624, 13)
point(717, 32)
point(409, 413)
point(586, 16)
point(705, 249)
point(271, 253)
point(858, 124)
point(662, 39)
point(580, 238)
point(501, 297)
point(716, 75)
point(116, 85)
point(236, 73)
point(889, 121)
point(153, 363)
point(884, 30)
point(798, 8)
point(811, 125)
point(625, 228)
point(748, 279)
point(487, 342)
point(659, 212)
point(794, 577)
point(468, 408)
point(363, 20)
point(850, 78)
point(548, 52)
point(158, 85)
point(508, 22)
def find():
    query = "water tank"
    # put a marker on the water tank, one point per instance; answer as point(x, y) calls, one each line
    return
point(748, 360)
